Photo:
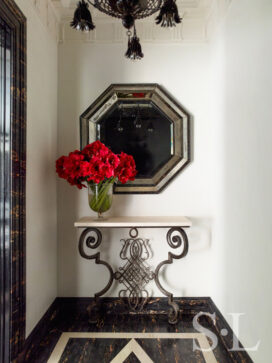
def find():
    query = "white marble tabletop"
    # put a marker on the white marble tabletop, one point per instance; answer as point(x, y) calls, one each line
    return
point(133, 222)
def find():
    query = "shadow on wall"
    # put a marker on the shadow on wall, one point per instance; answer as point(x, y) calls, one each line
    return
point(200, 240)
point(68, 196)
point(200, 236)
point(246, 200)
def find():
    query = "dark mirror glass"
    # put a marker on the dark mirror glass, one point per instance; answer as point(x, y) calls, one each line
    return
point(138, 128)
point(144, 121)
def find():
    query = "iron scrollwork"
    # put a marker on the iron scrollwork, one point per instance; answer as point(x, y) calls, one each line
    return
point(136, 274)
point(93, 243)
point(174, 241)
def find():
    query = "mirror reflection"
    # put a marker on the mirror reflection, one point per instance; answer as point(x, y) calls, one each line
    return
point(140, 129)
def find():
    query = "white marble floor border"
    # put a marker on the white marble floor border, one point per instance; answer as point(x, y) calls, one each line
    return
point(201, 338)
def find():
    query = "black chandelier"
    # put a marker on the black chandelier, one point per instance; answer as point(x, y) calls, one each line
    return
point(128, 11)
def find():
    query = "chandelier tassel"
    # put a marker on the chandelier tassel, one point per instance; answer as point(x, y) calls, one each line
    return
point(168, 16)
point(82, 17)
point(134, 50)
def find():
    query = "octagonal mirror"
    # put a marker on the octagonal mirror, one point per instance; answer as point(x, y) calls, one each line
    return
point(144, 121)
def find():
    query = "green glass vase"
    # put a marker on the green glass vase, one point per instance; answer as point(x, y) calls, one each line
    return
point(100, 196)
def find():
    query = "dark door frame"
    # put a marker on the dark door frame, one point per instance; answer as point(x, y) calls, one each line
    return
point(12, 192)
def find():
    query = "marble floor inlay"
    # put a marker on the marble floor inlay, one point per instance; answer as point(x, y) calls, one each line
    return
point(131, 348)
point(65, 334)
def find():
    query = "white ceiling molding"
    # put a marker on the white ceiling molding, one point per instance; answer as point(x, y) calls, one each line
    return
point(199, 19)
point(218, 12)
point(49, 15)
point(66, 3)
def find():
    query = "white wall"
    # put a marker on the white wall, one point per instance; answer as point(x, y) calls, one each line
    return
point(41, 216)
point(243, 230)
point(226, 86)
point(85, 70)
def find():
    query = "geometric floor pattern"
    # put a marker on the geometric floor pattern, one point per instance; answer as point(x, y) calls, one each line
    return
point(132, 348)
point(65, 334)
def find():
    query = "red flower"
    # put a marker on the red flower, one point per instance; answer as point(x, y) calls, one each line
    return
point(70, 168)
point(97, 173)
point(85, 169)
point(59, 167)
point(95, 149)
point(95, 163)
point(113, 160)
point(126, 169)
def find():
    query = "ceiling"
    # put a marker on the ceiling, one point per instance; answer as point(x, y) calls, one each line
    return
point(191, 7)
point(200, 18)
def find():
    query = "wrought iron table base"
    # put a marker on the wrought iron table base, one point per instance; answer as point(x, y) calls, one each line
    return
point(135, 274)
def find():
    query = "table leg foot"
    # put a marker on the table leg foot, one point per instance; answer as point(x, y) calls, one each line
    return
point(173, 315)
point(94, 312)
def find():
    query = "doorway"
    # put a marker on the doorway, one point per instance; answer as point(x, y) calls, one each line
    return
point(12, 179)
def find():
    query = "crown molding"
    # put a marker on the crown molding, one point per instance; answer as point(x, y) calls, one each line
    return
point(217, 14)
point(48, 15)
point(199, 22)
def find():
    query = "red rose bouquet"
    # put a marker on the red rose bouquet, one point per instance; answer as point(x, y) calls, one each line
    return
point(99, 167)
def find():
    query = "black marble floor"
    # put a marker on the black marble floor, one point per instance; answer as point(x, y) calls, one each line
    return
point(122, 337)
point(131, 350)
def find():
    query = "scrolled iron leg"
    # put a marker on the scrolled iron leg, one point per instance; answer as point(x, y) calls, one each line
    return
point(93, 243)
point(174, 241)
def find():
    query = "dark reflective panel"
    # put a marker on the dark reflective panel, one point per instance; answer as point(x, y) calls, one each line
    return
point(5, 183)
point(138, 128)
point(144, 121)
point(5, 120)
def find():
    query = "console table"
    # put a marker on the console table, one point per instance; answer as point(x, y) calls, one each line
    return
point(135, 274)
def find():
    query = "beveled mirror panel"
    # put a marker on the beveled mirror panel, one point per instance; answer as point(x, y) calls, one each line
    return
point(144, 121)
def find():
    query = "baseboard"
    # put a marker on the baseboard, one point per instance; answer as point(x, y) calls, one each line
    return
point(45, 324)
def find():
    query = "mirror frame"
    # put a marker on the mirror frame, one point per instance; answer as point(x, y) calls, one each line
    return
point(161, 99)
